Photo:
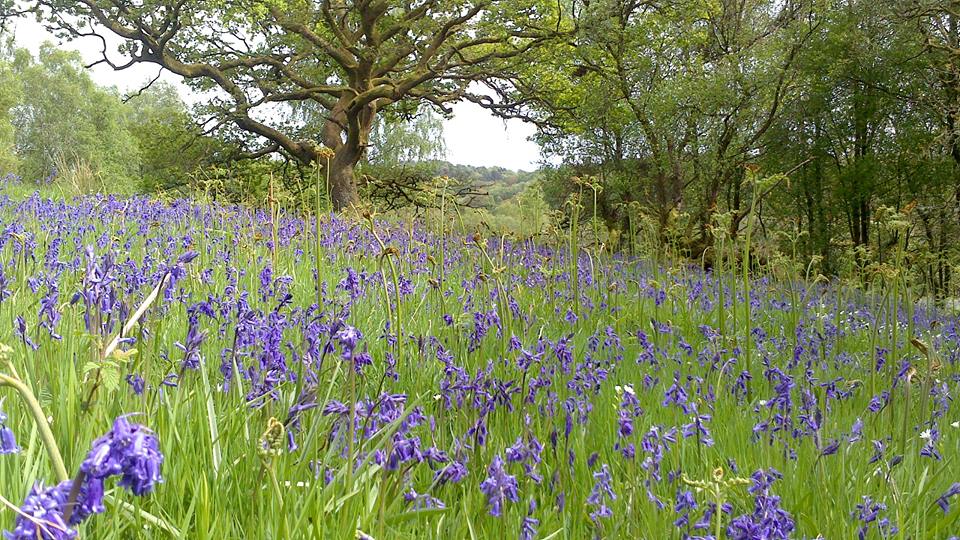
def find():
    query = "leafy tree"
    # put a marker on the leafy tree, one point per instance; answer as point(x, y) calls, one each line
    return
point(667, 102)
point(63, 119)
point(396, 139)
point(170, 144)
point(9, 96)
point(350, 59)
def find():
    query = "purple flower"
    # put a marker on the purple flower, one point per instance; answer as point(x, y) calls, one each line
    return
point(348, 337)
point(528, 529)
point(499, 486)
point(136, 383)
point(8, 443)
point(422, 501)
point(768, 520)
point(856, 432)
point(41, 516)
point(191, 347)
point(453, 473)
point(187, 257)
point(89, 500)
point(831, 448)
point(20, 329)
point(128, 450)
point(944, 500)
point(601, 494)
point(676, 395)
point(870, 511)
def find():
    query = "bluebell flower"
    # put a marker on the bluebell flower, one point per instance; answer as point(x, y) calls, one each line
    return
point(869, 512)
point(768, 520)
point(191, 345)
point(41, 515)
point(128, 450)
point(136, 382)
point(528, 528)
point(601, 494)
point(943, 501)
point(8, 443)
point(499, 486)
point(454, 472)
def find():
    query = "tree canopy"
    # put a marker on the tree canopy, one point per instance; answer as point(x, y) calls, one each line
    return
point(349, 59)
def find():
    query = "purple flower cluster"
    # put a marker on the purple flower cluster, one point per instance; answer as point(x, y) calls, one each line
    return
point(601, 494)
point(499, 487)
point(768, 520)
point(589, 403)
point(129, 451)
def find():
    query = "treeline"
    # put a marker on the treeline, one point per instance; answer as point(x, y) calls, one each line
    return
point(670, 109)
point(56, 123)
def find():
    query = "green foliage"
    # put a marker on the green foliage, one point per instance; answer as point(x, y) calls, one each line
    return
point(64, 120)
point(170, 147)
point(344, 63)
point(397, 139)
point(664, 105)
point(9, 97)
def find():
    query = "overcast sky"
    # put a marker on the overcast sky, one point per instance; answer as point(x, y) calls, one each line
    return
point(472, 136)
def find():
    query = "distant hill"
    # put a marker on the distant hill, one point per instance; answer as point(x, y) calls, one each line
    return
point(498, 175)
point(500, 183)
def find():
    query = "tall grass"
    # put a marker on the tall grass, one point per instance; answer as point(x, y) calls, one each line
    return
point(568, 383)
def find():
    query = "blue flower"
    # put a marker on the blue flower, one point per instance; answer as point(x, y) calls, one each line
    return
point(944, 500)
point(128, 450)
point(8, 443)
point(41, 516)
point(499, 486)
point(601, 494)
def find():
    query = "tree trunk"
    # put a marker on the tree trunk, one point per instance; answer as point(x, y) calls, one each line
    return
point(347, 132)
point(343, 184)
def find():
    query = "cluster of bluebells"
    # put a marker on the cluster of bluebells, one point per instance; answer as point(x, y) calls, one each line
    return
point(499, 487)
point(521, 373)
point(128, 450)
point(768, 520)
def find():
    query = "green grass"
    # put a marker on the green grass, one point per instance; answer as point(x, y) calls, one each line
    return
point(218, 484)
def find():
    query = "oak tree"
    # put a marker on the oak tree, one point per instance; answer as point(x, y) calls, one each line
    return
point(351, 58)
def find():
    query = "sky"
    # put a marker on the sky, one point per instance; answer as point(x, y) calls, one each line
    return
point(472, 136)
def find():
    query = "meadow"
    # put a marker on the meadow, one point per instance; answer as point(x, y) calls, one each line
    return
point(278, 376)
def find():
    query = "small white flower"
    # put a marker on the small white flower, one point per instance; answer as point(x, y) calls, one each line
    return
point(956, 424)
point(925, 434)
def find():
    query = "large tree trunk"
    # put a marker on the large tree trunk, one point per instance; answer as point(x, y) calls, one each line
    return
point(347, 132)
point(343, 184)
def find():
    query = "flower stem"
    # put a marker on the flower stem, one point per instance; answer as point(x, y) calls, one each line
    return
point(53, 451)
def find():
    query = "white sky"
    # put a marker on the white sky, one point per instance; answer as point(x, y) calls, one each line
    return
point(473, 136)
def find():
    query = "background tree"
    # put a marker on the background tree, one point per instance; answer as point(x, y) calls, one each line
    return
point(403, 139)
point(63, 120)
point(9, 96)
point(668, 101)
point(350, 59)
point(171, 146)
